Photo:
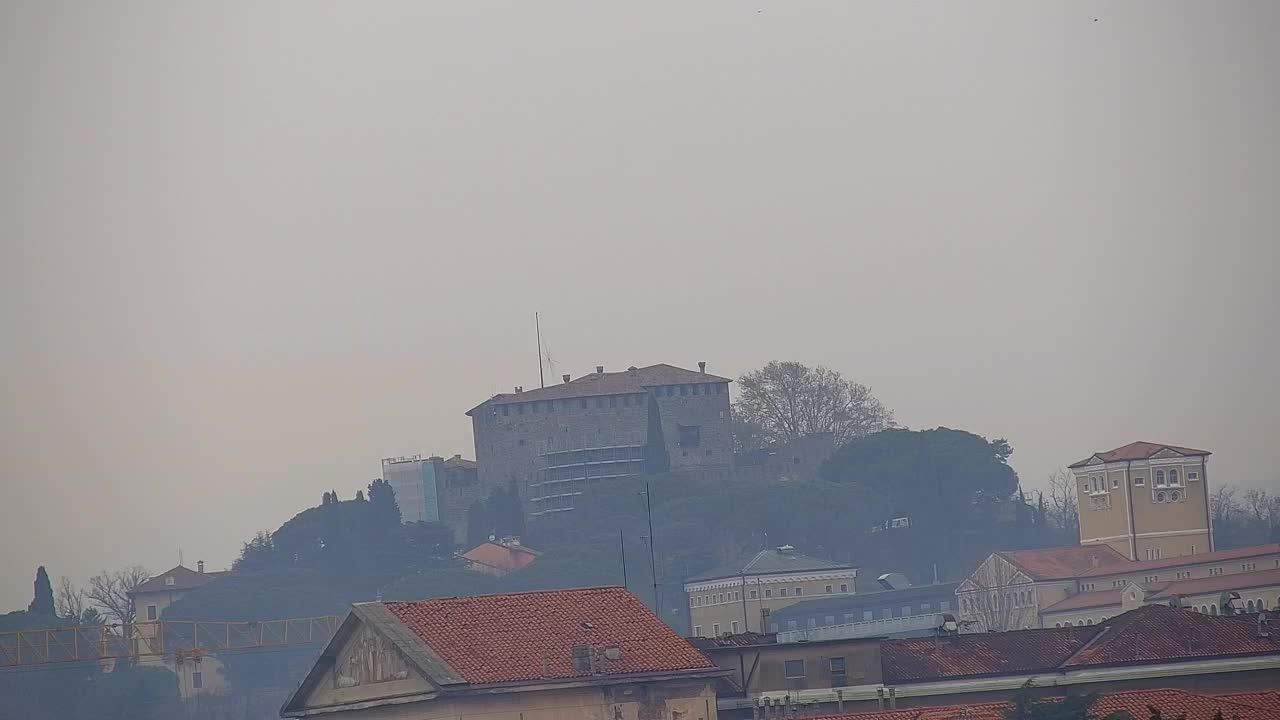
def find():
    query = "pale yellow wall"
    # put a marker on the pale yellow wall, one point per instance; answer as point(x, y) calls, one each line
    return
point(1268, 597)
point(1268, 561)
point(1090, 616)
point(1111, 523)
point(746, 614)
point(681, 700)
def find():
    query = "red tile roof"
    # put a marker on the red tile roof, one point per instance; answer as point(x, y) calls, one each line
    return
point(1184, 560)
point(1139, 451)
point(1150, 634)
point(1264, 700)
point(1067, 562)
point(981, 654)
point(1222, 583)
point(530, 636)
point(1157, 633)
point(1170, 702)
point(502, 557)
point(609, 383)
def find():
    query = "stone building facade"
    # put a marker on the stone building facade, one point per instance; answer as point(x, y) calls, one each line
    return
point(555, 441)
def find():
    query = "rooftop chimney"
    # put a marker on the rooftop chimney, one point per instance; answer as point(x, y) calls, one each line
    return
point(565, 377)
point(519, 388)
point(702, 367)
point(199, 566)
point(599, 369)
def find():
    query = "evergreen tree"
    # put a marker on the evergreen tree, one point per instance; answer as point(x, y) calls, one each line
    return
point(383, 498)
point(42, 603)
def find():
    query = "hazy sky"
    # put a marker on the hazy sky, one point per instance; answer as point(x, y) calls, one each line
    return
point(251, 248)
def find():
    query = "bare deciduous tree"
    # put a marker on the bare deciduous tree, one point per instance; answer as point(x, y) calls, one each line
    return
point(110, 591)
point(788, 400)
point(997, 597)
point(1062, 508)
point(68, 600)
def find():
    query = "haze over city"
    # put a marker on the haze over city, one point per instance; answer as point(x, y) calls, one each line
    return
point(249, 250)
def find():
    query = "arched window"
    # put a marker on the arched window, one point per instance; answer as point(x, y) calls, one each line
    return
point(1249, 606)
point(1089, 621)
point(1057, 624)
point(1160, 478)
point(1213, 609)
point(1173, 476)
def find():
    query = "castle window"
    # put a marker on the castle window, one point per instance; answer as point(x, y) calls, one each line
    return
point(690, 435)
point(583, 403)
point(600, 402)
point(1193, 475)
point(506, 410)
point(697, 389)
point(684, 390)
point(613, 401)
point(1139, 481)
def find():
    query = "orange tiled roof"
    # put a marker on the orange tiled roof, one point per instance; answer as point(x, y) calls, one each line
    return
point(1264, 700)
point(1170, 702)
point(1149, 634)
point(1221, 583)
point(530, 636)
point(500, 556)
point(1085, 600)
point(1139, 451)
point(1067, 562)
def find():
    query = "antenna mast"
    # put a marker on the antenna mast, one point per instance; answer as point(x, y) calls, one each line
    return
point(542, 381)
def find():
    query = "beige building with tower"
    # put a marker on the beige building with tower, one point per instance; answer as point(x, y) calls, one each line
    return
point(198, 673)
point(1145, 500)
point(738, 597)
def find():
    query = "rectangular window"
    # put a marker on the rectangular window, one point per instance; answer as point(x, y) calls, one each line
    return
point(197, 680)
point(829, 620)
point(753, 594)
point(715, 629)
point(828, 589)
point(737, 594)
point(733, 627)
point(1151, 578)
point(600, 402)
point(793, 669)
point(868, 616)
point(768, 592)
point(836, 665)
point(793, 625)
point(1115, 483)
point(690, 435)
point(926, 608)
point(848, 617)
point(613, 401)
point(151, 612)
point(506, 410)
point(693, 601)
point(1193, 475)
point(1139, 481)
point(799, 592)
point(1246, 567)
point(697, 631)
point(906, 610)
point(844, 587)
point(886, 613)
point(583, 403)
point(782, 592)
point(813, 623)
point(944, 606)
point(1184, 574)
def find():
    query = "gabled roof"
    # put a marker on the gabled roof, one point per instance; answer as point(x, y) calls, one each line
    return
point(184, 578)
point(774, 561)
point(1138, 451)
point(1066, 562)
point(609, 383)
point(1170, 702)
point(504, 557)
point(492, 642)
point(1148, 635)
point(521, 637)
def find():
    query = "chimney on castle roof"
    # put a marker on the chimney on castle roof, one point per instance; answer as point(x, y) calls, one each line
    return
point(565, 377)
point(702, 367)
point(200, 566)
point(599, 369)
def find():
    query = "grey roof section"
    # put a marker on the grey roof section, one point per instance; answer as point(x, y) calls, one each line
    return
point(418, 652)
point(771, 562)
point(867, 601)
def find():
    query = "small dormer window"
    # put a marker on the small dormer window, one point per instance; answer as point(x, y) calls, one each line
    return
point(168, 580)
